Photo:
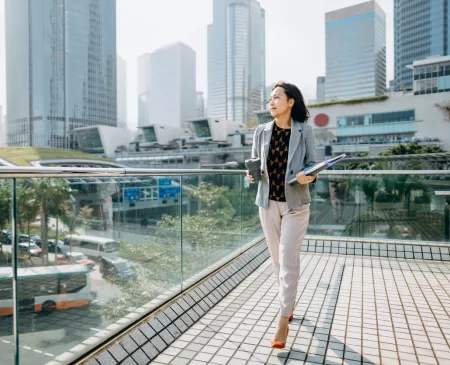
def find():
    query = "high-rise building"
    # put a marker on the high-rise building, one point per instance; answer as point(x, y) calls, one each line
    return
point(144, 68)
point(421, 29)
point(167, 86)
point(236, 60)
point(355, 52)
point(320, 89)
point(60, 69)
point(200, 105)
point(2, 141)
point(121, 92)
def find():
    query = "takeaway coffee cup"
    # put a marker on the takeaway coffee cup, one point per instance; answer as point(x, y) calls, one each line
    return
point(254, 168)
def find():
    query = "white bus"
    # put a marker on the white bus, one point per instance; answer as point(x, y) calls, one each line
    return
point(45, 288)
point(92, 246)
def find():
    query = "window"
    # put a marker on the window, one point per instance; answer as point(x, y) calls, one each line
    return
point(89, 245)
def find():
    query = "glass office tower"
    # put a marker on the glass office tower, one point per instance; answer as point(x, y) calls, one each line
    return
point(355, 52)
point(420, 30)
point(236, 60)
point(61, 69)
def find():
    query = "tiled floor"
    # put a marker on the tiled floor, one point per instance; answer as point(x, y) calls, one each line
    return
point(350, 310)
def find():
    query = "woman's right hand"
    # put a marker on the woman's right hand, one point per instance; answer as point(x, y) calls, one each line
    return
point(250, 177)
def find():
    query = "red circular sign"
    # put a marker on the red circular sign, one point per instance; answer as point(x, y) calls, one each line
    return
point(321, 120)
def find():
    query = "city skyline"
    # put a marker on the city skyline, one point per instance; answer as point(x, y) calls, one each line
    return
point(143, 27)
point(61, 70)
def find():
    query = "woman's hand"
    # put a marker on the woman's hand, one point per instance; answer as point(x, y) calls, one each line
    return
point(303, 179)
point(250, 177)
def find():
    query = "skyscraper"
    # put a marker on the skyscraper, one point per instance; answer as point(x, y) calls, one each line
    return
point(320, 89)
point(121, 92)
point(144, 70)
point(236, 59)
point(167, 86)
point(60, 69)
point(421, 29)
point(200, 105)
point(355, 52)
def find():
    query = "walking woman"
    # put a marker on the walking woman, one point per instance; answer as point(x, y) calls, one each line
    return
point(286, 146)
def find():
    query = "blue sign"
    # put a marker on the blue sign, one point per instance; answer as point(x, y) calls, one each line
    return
point(169, 192)
point(164, 181)
point(132, 193)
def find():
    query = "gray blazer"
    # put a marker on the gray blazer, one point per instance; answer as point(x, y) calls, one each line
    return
point(302, 154)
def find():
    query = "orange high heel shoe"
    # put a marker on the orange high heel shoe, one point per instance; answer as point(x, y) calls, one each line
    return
point(279, 344)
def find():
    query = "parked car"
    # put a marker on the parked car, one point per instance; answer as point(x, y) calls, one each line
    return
point(116, 266)
point(29, 248)
point(36, 239)
point(97, 224)
point(51, 246)
point(79, 258)
point(23, 237)
point(6, 237)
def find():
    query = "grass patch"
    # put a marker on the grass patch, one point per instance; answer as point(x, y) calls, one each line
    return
point(23, 156)
point(372, 99)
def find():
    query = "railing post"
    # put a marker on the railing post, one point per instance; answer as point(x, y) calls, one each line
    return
point(15, 265)
point(181, 231)
point(447, 220)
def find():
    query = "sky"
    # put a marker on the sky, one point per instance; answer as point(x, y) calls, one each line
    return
point(295, 38)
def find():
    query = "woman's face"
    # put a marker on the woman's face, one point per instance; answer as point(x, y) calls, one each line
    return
point(279, 103)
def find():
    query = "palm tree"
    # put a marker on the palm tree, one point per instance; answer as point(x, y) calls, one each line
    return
point(72, 222)
point(53, 194)
point(28, 209)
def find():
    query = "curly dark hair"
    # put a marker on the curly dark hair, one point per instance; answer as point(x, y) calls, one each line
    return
point(299, 111)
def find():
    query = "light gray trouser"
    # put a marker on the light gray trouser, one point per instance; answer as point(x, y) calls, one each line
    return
point(284, 230)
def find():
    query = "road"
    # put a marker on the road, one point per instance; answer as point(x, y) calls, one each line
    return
point(45, 336)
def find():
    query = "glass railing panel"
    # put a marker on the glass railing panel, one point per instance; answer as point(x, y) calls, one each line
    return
point(386, 206)
point(211, 221)
point(6, 282)
point(93, 252)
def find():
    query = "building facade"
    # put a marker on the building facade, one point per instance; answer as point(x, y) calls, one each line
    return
point(2, 128)
point(320, 89)
point(420, 30)
point(60, 69)
point(355, 52)
point(144, 71)
point(236, 60)
point(121, 92)
point(376, 126)
point(200, 105)
point(431, 75)
point(167, 86)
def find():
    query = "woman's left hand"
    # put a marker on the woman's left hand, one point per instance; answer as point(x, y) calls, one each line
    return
point(303, 179)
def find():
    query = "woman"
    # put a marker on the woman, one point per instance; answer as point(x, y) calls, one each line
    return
point(286, 146)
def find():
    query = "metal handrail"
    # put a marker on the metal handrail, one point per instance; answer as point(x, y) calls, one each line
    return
point(23, 172)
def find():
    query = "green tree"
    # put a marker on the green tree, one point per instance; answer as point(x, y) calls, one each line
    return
point(28, 209)
point(53, 195)
point(411, 149)
point(206, 234)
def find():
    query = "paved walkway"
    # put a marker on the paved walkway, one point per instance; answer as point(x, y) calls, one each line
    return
point(350, 310)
